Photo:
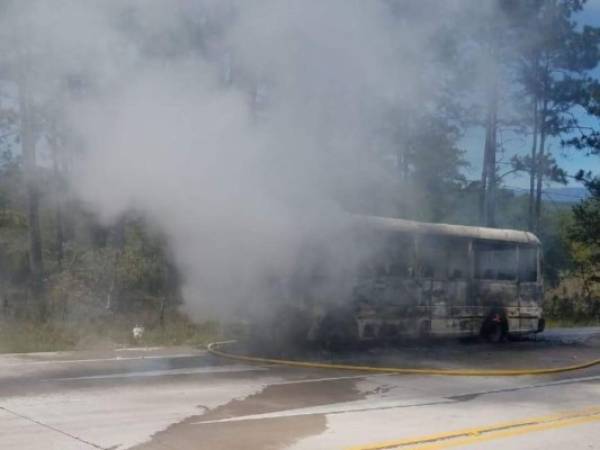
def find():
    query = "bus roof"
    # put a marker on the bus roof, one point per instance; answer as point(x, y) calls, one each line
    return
point(443, 229)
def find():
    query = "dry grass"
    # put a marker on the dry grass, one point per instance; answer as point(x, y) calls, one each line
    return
point(570, 305)
point(22, 336)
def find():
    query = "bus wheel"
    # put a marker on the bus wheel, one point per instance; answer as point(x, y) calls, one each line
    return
point(541, 325)
point(286, 333)
point(338, 332)
point(495, 329)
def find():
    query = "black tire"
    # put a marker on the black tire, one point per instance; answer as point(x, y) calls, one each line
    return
point(338, 331)
point(541, 325)
point(495, 329)
point(285, 334)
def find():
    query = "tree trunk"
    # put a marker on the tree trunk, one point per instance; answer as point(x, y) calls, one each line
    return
point(58, 212)
point(28, 146)
point(3, 294)
point(118, 242)
point(532, 169)
point(540, 166)
point(488, 180)
point(491, 187)
point(484, 179)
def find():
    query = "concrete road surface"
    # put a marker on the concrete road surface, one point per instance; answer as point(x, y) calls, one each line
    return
point(187, 399)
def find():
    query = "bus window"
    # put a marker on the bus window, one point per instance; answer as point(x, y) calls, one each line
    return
point(457, 259)
point(371, 261)
point(431, 254)
point(495, 261)
point(389, 255)
point(400, 254)
point(528, 264)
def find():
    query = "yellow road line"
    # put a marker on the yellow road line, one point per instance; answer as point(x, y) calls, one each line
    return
point(488, 433)
point(212, 348)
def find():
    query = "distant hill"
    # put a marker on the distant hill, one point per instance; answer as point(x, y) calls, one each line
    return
point(566, 194)
point(559, 194)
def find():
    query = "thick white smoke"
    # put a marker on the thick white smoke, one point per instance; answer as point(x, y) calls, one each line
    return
point(241, 173)
point(235, 127)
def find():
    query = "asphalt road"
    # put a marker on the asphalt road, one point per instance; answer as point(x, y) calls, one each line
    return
point(186, 399)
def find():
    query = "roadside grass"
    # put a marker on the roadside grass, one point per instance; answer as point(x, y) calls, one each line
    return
point(571, 323)
point(571, 305)
point(24, 336)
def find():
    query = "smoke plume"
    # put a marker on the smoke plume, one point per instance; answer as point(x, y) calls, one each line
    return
point(242, 130)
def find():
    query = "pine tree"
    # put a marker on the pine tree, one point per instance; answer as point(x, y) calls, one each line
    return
point(555, 60)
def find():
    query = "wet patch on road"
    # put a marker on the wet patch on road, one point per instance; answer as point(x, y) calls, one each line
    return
point(269, 433)
point(283, 397)
point(274, 434)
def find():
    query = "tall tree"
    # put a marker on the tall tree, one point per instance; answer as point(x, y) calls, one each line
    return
point(491, 51)
point(59, 194)
point(489, 46)
point(556, 57)
point(28, 135)
point(488, 176)
point(428, 165)
point(18, 71)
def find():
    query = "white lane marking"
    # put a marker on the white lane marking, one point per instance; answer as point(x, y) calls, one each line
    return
point(528, 386)
point(116, 358)
point(216, 369)
point(72, 352)
point(140, 349)
point(318, 380)
point(167, 372)
point(336, 408)
point(367, 404)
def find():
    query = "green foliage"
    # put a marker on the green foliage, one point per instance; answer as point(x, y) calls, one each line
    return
point(573, 244)
point(104, 280)
point(552, 172)
point(13, 246)
point(585, 242)
point(141, 265)
point(558, 252)
point(427, 171)
point(572, 302)
point(437, 165)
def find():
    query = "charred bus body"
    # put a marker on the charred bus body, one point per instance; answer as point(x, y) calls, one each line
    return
point(414, 280)
point(438, 279)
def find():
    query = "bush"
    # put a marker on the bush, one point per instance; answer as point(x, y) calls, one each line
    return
point(572, 303)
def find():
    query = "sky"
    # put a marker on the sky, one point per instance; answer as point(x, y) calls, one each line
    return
point(569, 159)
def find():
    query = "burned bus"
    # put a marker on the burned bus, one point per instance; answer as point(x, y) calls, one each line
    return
point(421, 280)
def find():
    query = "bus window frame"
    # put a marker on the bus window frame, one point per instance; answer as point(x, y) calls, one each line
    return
point(465, 245)
point(446, 242)
point(410, 263)
point(538, 263)
point(476, 276)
